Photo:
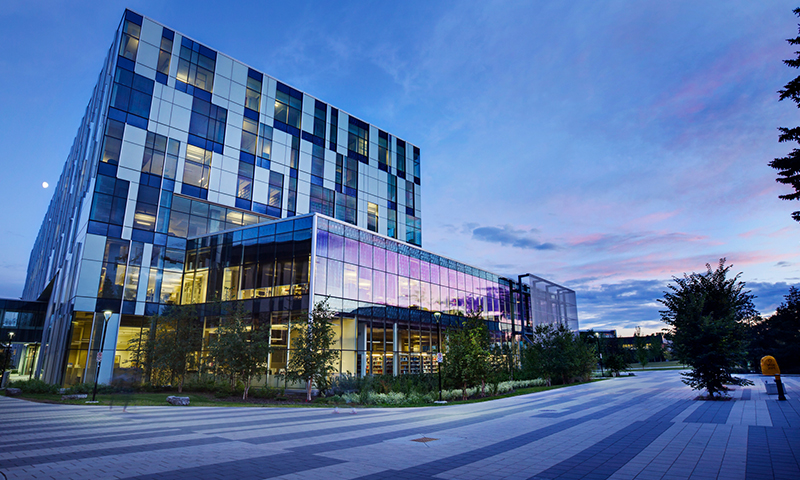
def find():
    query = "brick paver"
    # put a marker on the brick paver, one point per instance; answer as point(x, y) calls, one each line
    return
point(644, 427)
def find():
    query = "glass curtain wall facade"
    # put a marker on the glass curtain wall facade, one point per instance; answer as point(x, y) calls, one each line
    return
point(196, 179)
point(178, 141)
point(551, 303)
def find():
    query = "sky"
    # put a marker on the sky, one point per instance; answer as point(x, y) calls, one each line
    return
point(606, 146)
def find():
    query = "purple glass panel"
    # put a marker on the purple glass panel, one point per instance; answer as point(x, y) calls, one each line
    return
point(350, 282)
point(452, 278)
point(402, 291)
point(402, 265)
point(424, 271)
point(365, 284)
point(320, 276)
point(425, 295)
point(322, 243)
point(335, 247)
point(413, 268)
point(351, 251)
point(435, 274)
point(365, 255)
point(335, 276)
point(391, 262)
point(379, 259)
point(436, 305)
point(452, 297)
point(462, 284)
point(414, 296)
point(378, 286)
point(468, 279)
point(391, 289)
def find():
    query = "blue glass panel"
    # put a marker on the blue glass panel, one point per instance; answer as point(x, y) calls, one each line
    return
point(283, 227)
point(293, 172)
point(128, 307)
point(167, 33)
point(302, 235)
point(168, 185)
point(243, 203)
point(259, 208)
point(200, 93)
point(273, 211)
point(116, 114)
point(303, 223)
point(115, 231)
point(175, 242)
point(207, 52)
point(180, 86)
point(383, 166)
point(251, 114)
point(160, 239)
point(137, 121)
point(123, 62)
point(133, 17)
point(409, 211)
point(417, 180)
point(265, 230)
point(142, 236)
point(401, 174)
point(247, 158)
point(217, 148)
point(97, 228)
point(263, 163)
point(315, 180)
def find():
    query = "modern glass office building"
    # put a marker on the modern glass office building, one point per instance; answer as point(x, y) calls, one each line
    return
point(196, 179)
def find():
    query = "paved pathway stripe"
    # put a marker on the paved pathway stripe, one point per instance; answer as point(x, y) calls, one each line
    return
point(711, 412)
point(773, 453)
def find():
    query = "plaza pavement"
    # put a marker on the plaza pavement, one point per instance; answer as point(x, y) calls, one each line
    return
point(643, 427)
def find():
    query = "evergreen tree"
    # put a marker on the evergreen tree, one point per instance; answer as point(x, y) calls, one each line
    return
point(789, 166)
point(779, 335)
point(312, 353)
point(707, 313)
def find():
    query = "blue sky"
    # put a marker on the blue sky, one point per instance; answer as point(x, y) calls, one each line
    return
point(607, 146)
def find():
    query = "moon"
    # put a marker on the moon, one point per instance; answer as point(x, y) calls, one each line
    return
point(45, 184)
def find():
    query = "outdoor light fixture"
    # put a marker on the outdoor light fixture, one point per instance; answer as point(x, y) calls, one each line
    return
point(107, 316)
point(600, 352)
point(438, 317)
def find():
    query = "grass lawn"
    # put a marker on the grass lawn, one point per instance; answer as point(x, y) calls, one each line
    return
point(208, 400)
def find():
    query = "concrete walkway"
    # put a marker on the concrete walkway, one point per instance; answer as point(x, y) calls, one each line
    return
point(643, 427)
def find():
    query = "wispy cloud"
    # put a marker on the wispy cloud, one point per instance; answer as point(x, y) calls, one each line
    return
point(509, 236)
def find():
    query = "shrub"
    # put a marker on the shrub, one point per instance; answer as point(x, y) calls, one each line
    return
point(34, 386)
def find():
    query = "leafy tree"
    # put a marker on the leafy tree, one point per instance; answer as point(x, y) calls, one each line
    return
point(312, 355)
point(240, 349)
point(557, 355)
point(789, 166)
point(642, 350)
point(707, 314)
point(779, 335)
point(467, 359)
point(614, 356)
point(168, 350)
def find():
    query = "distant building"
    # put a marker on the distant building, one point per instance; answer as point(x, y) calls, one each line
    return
point(196, 179)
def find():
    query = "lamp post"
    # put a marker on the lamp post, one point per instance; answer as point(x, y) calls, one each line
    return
point(438, 317)
point(600, 352)
point(6, 359)
point(107, 317)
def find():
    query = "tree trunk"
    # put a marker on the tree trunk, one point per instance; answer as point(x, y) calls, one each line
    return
point(308, 389)
point(464, 391)
point(483, 388)
point(246, 390)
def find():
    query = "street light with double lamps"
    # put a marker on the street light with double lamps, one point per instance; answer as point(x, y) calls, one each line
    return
point(107, 315)
point(7, 357)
